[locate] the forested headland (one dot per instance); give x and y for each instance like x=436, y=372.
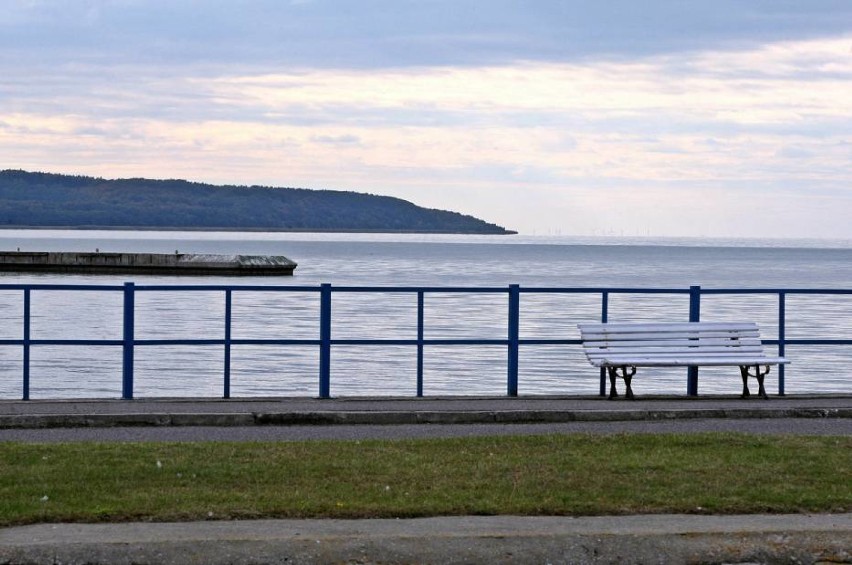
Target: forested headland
x=31, y=199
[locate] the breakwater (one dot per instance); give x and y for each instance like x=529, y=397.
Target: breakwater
x=146, y=263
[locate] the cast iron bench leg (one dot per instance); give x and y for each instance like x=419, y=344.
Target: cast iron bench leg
x=760, y=376
x=744, y=374
x=626, y=374
x=613, y=374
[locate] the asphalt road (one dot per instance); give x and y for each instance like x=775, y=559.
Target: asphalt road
x=806, y=426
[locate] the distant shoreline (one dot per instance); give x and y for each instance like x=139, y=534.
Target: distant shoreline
x=232, y=229
x=33, y=200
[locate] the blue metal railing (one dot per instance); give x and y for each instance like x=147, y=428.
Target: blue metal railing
x=325, y=342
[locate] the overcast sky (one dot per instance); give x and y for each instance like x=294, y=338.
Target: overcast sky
x=641, y=117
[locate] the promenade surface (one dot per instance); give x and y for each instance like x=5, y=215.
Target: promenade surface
x=476, y=539
x=432, y=410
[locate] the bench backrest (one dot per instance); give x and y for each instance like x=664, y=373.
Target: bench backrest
x=688, y=339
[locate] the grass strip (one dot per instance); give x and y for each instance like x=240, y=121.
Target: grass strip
x=574, y=474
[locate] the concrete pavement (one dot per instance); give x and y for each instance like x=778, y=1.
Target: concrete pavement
x=472, y=539
x=450, y=410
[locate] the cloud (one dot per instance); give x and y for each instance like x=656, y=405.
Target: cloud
x=345, y=139
x=399, y=33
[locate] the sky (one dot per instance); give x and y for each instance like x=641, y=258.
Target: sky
x=701, y=118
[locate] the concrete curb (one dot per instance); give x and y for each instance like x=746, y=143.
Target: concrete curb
x=350, y=417
x=475, y=539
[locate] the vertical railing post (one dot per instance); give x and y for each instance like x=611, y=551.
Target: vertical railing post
x=604, y=319
x=325, y=341
x=226, y=393
x=514, y=336
x=782, y=337
x=26, y=385
x=127, y=358
x=420, y=317
x=694, y=316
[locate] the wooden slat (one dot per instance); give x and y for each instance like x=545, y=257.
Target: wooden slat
x=618, y=346
x=696, y=351
x=667, y=335
x=667, y=327
x=673, y=342
x=687, y=361
x=678, y=329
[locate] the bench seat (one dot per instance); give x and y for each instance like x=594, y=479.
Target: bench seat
x=621, y=347
x=687, y=361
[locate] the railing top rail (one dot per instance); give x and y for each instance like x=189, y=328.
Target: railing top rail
x=221, y=288
x=412, y=289
x=429, y=289
x=599, y=290
x=776, y=291
x=40, y=286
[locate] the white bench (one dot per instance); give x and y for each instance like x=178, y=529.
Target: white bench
x=621, y=347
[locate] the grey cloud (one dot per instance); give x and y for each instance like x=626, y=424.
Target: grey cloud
x=796, y=152
x=398, y=33
x=337, y=139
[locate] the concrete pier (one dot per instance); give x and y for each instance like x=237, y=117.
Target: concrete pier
x=145, y=263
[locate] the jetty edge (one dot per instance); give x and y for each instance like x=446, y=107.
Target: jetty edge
x=145, y=263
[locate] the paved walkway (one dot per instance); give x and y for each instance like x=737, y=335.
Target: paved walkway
x=476, y=539
x=508, y=539
x=451, y=410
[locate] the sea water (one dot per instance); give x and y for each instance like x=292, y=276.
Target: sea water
x=415, y=260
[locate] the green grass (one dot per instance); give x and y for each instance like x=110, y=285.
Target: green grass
x=540, y=475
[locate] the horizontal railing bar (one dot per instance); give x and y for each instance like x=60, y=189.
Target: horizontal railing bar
x=232, y=341
x=260, y=341
x=377, y=289
x=417, y=342
x=427, y=289
x=809, y=341
x=317, y=342
x=115, y=343
x=588, y=290
x=379, y=342
x=431, y=341
x=537, y=341
x=222, y=288
x=179, y=342
x=776, y=291
x=313, y=342
x=97, y=342
x=430, y=289
x=83, y=287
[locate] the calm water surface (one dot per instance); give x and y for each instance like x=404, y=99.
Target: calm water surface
x=415, y=260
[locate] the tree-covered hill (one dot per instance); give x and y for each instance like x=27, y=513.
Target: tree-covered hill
x=51, y=200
